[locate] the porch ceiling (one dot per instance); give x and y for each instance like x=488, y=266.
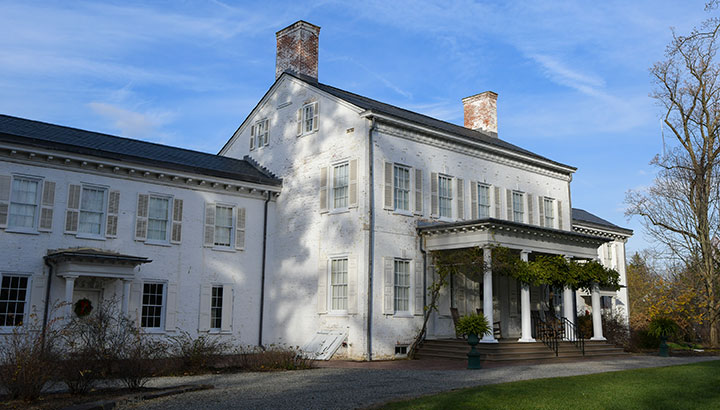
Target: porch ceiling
x=490, y=231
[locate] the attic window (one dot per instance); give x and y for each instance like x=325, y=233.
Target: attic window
x=260, y=134
x=307, y=118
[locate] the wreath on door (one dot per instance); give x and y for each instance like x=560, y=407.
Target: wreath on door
x=83, y=307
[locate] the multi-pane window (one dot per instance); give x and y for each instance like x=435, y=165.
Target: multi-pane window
x=216, y=308
x=549, y=211
x=445, y=196
x=223, y=225
x=339, y=284
x=517, y=207
x=402, y=285
x=24, y=203
x=158, y=218
x=261, y=131
x=340, y=185
x=309, y=117
x=152, y=305
x=483, y=201
x=13, y=300
x=402, y=187
x=92, y=210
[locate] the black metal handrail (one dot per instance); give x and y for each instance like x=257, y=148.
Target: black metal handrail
x=573, y=334
x=554, y=330
x=544, y=331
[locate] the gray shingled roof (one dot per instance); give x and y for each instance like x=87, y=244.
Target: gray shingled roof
x=50, y=136
x=380, y=107
x=585, y=217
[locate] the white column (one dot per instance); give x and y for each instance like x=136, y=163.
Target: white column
x=568, y=311
x=125, y=296
x=596, y=318
x=69, y=288
x=525, y=307
x=488, y=295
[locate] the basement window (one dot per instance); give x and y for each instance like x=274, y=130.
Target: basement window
x=401, y=350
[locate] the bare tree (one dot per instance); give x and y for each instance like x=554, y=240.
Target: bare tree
x=680, y=209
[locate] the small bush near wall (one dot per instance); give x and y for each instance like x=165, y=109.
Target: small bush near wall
x=274, y=357
x=199, y=352
x=615, y=329
x=29, y=357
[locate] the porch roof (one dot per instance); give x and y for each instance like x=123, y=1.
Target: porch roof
x=94, y=255
x=490, y=231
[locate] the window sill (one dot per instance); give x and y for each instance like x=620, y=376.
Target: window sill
x=25, y=231
x=337, y=314
x=305, y=134
x=153, y=243
x=338, y=211
x=403, y=213
x=219, y=332
x=153, y=331
x=223, y=249
x=91, y=237
x=404, y=315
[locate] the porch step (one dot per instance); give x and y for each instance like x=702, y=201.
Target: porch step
x=512, y=350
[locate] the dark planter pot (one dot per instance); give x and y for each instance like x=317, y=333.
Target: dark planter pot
x=663, y=347
x=473, y=355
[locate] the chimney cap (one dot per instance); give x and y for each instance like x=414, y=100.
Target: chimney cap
x=298, y=24
x=484, y=94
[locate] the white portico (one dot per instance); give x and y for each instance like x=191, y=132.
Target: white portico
x=512, y=304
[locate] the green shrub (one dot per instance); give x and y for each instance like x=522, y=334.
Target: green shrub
x=473, y=325
x=661, y=326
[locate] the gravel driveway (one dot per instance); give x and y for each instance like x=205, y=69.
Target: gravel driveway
x=350, y=388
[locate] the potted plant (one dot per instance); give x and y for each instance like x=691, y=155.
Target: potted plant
x=473, y=326
x=663, y=327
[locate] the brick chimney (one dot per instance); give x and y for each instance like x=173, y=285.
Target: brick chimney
x=481, y=112
x=297, y=49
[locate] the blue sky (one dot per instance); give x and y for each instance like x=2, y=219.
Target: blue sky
x=572, y=77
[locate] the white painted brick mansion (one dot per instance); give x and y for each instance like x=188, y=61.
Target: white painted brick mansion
x=316, y=217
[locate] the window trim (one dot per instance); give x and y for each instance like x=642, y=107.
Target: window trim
x=222, y=297
x=409, y=189
x=28, y=290
x=333, y=167
x=489, y=200
x=168, y=226
x=233, y=216
x=451, y=198
x=38, y=204
x=330, y=310
x=522, y=207
x=103, y=217
x=303, y=118
x=551, y=215
x=398, y=312
x=163, y=311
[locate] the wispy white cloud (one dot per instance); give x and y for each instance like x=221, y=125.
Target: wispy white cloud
x=143, y=125
x=560, y=73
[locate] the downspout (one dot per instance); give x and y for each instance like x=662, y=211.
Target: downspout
x=262, y=274
x=371, y=241
x=47, y=299
x=425, y=286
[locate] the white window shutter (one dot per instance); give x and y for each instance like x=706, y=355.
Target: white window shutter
x=111, y=227
x=322, y=286
x=240, y=229
x=46, y=207
x=141, y=217
x=252, y=137
x=134, y=308
x=541, y=211
x=299, y=121
x=316, y=115
x=176, y=233
x=227, y=308
x=5, y=186
x=209, y=232
x=323, y=189
x=498, y=206
x=419, y=287
x=171, y=307
x=418, y=192
x=72, y=214
x=388, y=285
x=560, y=214
x=473, y=200
x=205, y=305
x=460, y=198
x=531, y=214
x=434, y=194
x=37, y=296
x=352, y=285
x=353, y=194
x=388, y=202
x=509, y=204
x=267, y=132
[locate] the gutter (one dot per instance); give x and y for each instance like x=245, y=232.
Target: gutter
x=423, y=251
x=262, y=274
x=371, y=242
x=47, y=300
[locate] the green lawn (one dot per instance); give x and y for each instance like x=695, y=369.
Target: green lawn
x=693, y=386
